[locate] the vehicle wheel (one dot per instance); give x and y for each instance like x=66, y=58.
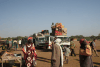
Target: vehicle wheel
x=46, y=47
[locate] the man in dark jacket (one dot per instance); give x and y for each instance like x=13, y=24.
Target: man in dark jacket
x=7, y=43
x=93, y=46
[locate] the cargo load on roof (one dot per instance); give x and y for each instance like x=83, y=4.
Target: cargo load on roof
x=58, y=29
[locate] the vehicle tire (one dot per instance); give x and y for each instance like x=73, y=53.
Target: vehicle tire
x=46, y=47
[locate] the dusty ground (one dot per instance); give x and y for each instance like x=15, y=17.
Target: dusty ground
x=44, y=57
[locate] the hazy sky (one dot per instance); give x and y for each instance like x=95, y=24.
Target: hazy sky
x=25, y=17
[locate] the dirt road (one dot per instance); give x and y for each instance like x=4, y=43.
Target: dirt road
x=44, y=57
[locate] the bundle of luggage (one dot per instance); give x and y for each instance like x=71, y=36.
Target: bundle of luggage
x=58, y=29
x=45, y=32
x=39, y=34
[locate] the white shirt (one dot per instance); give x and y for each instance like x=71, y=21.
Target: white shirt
x=19, y=41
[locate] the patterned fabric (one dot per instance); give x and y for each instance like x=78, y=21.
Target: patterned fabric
x=29, y=55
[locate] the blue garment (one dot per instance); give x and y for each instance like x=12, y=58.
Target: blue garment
x=67, y=51
x=10, y=42
x=16, y=45
x=7, y=42
x=93, y=43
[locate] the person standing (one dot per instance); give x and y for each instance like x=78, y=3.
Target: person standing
x=3, y=47
x=19, y=43
x=93, y=46
x=67, y=52
x=72, y=47
x=23, y=42
x=85, y=60
x=15, y=44
x=57, y=54
x=10, y=43
x=7, y=43
x=30, y=55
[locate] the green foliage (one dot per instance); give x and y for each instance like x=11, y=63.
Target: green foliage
x=89, y=38
x=3, y=38
x=77, y=36
x=19, y=37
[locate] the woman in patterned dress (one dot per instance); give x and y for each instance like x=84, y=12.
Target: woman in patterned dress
x=29, y=53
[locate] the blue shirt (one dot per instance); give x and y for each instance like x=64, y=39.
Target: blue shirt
x=93, y=43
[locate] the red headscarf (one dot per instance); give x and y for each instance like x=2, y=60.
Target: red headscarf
x=83, y=40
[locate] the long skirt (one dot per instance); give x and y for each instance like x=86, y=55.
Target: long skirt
x=85, y=61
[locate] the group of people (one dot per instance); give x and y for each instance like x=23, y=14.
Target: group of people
x=28, y=49
x=13, y=43
x=57, y=59
x=8, y=44
x=85, y=58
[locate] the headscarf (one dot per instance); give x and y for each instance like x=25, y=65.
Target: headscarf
x=83, y=43
x=57, y=41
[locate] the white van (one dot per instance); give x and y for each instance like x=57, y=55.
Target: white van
x=40, y=41
x=65, y=41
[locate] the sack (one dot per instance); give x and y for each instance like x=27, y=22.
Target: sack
x=86, y=52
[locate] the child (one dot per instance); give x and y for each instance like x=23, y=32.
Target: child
x=3, y=47
x=67, y=51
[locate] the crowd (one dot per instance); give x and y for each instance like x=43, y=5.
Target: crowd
x=28, y=50
x=85, y=52
x=57, y=58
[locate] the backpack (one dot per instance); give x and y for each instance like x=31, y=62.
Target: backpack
x=91, y=44
x=85, y=52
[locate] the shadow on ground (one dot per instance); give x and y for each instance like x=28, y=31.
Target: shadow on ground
x=96, y=63
x=77, y=59
x=44, y=59
x=44, y=50
x=98, y=50
x=10, y=65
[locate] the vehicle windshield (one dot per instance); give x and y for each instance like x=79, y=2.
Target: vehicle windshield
x=41, y=39
x=64, y=39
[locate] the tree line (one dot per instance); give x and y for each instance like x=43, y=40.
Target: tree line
x=89, y=38
x=78, y=37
